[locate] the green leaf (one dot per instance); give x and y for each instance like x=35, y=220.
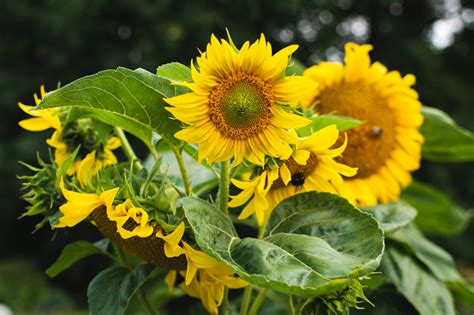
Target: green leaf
x=174, y=72
x=445, y=141
x=131, y=100
x=73, y=253
x=308, y=258
x=440, y=262
x=111, y=290
x=342, y=122
x=392, y=216
x=437, y=214
x=426, y=293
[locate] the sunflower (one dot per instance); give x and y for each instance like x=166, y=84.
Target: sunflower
x=311, y=168
x=235, y=107
x=386, y=148
x=84, y=166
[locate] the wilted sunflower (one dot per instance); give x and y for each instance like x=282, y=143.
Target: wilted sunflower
x=386, y=148
x=234, y=107
x=311, y=168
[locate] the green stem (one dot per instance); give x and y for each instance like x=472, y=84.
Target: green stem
x=246, y=300
x=258, y=302
x=224, y=187
x=182, y=169
x=123, y=261
x=261, y=232
x=127, y=148
x=224, y=308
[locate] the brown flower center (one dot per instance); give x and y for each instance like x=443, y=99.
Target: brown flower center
x=239, y=106
x=369, y=145
x=298, y=172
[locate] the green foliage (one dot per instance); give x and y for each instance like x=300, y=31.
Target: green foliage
x=313, y=246
x=342, y=122
x=111, y=290
x=438, y=261
x=392, y=216
x=131, y=100
x=426, y=293
x=174, y=72
x=437, y=213
x=445, y=141
x=75, y=252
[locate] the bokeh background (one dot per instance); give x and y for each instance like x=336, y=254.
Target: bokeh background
x=51, y=41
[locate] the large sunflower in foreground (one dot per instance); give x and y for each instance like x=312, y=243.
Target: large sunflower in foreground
x=311, y=168
x=234, y=109
x=386, y=148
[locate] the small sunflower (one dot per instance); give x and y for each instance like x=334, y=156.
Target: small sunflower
x=234, y=109
x=93, y=156
x=311, y=168
x=386, y=148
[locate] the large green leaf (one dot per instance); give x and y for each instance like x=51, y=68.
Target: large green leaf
x=308, y=258
x=111, y=290
x=174, y=72
x=426, y=293
x=73, y=253
x=440, y=262
x=445, y=141
x=131, y=100
x=437, y=213
x=393, y=215
x=342, y=122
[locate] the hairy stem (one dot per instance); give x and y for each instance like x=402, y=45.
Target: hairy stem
x=246, y=300
x=182, y=169
x=224, y=187
x=258, y=302
x=127, y=148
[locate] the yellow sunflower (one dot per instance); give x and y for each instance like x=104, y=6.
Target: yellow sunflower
x=42, y=119
x=311, y=168
x=234, y=109
x=386, y=148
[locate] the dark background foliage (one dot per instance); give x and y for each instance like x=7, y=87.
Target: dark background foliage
x=51, y=41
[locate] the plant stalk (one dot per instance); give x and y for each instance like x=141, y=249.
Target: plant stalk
x=244, y=307
x=182, y=169
x=224, y=187
x=127, y=148
x=258, y=302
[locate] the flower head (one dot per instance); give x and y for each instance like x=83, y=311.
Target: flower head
x=312, y=167
x=234, y=109
x=386, y=148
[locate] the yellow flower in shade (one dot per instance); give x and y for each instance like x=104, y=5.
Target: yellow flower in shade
x=126, y=211
x=386, y=148
x=80, y=205
x=172, y=240
x=234, y=107
x=311, y=168
x=88, y=166
x=205, y=278
x=209, y=286
x=42, y=119
x=257, y=188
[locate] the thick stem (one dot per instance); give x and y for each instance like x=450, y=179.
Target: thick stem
x=258, y=302
x=127, y=148
x=224, y=187
x=182, y=169
x=246, y=300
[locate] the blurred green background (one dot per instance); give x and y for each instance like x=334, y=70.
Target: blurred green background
x=51, y=41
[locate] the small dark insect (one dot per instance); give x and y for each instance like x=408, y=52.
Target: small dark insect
x=376, y=131
x=297, y=179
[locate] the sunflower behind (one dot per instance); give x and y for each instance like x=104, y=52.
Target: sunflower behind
x=387, y=147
